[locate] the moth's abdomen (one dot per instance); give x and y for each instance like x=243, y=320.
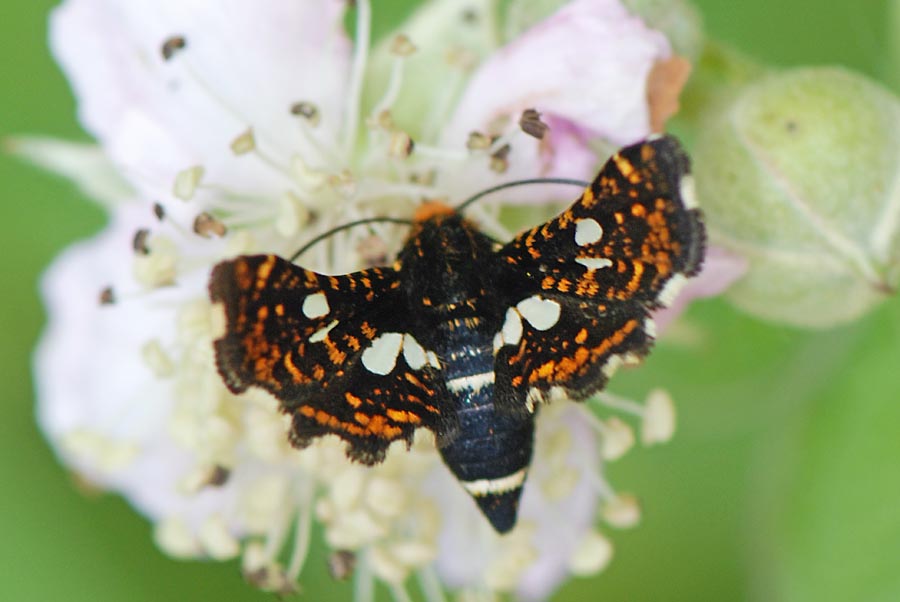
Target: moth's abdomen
x=491, y=453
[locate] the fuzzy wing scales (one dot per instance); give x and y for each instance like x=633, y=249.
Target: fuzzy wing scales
x=334, y=350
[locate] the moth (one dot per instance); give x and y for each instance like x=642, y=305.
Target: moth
x=463, y=335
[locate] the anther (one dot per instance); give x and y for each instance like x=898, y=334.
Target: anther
x=478, y=141
x=207, y=226
x=159, y=211
x=139, y=242
x=531, y=124
x=244, y=143
x=107, y=296
x=172, y=45
x=306, y=110
x=461, y=58
x=343, y=183
x=401, y=145
x=341, y=564
x=186, y=182
x=402, y=46
x=219, y=476
x=500, y=159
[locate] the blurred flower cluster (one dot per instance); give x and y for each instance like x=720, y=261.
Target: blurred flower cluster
x=237, y=127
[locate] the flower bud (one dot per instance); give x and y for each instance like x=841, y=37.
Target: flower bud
x=799, y=174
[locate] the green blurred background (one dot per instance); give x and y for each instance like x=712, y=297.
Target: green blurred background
x=782, y=483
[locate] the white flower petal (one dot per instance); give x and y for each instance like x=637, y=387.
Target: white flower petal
x=244, y=64
x=92, y=383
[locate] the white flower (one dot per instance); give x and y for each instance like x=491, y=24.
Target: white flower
x=250, y=127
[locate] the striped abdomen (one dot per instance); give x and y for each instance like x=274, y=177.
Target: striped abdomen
x=491, y=454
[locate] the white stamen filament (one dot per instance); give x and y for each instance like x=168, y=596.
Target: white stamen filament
x=425, y=151
x=302, y=534
x=399, y=593
x=431, y=585
x=395, y=83
x=364, y=582
x=357, y=75
x=620, y=403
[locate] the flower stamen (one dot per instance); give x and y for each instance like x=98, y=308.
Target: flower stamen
x=357, y=75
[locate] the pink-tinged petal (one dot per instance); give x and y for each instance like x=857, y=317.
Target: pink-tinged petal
x=720, y=270
x=588, y=64
x=546, y=68
x=104, y=410
x=244, y=64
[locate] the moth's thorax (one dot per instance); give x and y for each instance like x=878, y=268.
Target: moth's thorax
x=446, y=260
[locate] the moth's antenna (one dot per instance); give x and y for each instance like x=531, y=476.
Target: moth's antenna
x=514, y=183
x=348, y=225
x=460, y=207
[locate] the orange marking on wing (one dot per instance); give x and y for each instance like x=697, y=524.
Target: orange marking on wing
x=352, y=342
x=378, y=425
x=553, y=371
x=582, y=336
x=263, y=271
x=318, y=373
x=367, y=331
x=588, y=199
x=352, y=399
x=294, y=371
x=635, y=281
x=242, y=275
x=334, y=354
x=400, y=415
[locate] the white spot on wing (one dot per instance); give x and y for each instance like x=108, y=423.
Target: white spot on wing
x=688, y=191
x=511, y=333
x=592, y=263
x=432, y=358
x=494, y=486
x=534, y=396
x=319, y=335
x=381, y=356
x=671, y=289
x=650, y=327
x=612, y=365
x=540, y=313
x=587, y=232
x=315, y=306
x=413, y=353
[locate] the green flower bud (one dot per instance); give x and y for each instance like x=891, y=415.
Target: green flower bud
x=800, y=174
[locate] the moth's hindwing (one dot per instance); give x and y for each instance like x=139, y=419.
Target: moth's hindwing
x=589, y=277
x=336, y=352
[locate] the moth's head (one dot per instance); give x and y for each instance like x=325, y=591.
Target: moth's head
x=432, y=210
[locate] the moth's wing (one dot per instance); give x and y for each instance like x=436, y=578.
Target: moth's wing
x=336, y=352
x=622, y=249
x=557, y=346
